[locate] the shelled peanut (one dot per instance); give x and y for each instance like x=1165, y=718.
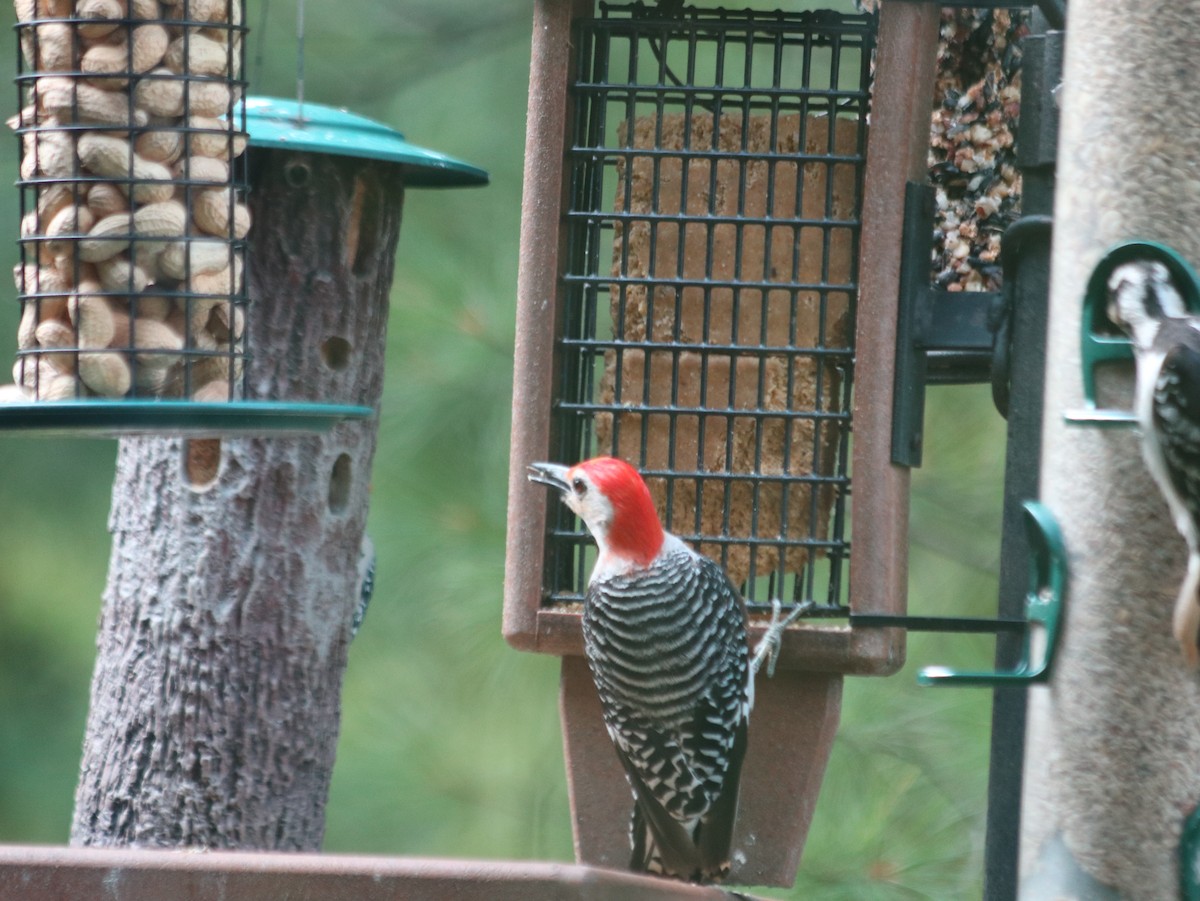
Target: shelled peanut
x=131, y=259
x=93, y=341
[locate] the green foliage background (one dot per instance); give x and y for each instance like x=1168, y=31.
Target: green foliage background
x=450, y=743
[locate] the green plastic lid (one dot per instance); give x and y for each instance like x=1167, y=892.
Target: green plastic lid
x=106, y=418
x=273, y=122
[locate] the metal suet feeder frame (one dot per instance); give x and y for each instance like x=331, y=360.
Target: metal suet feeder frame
x=678, y=380
x=117, y=176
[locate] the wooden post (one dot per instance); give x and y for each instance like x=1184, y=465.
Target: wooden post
x=216, y=695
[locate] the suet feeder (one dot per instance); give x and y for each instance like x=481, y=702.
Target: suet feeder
x=709, y=264
x=135, y=246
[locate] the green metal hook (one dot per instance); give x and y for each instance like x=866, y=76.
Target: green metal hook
x=1043, y=607
x=1189, y=858
x=1100, y=343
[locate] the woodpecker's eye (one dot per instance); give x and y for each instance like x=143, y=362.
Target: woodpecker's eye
x=579, y=486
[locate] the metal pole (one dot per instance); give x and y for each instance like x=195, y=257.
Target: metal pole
x=1025, y=343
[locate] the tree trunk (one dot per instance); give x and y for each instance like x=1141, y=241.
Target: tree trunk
x=216, y=695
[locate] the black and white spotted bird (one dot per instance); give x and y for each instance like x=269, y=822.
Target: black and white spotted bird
x=1144, y=301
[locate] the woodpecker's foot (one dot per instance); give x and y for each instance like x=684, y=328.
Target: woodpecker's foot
x=767, y=649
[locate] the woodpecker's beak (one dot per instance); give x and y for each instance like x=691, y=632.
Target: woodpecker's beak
x=552, y=474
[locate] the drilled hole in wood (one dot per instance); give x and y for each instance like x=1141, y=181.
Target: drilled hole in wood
x=354, y=222
x=339, y=484
x=367, y=218
x=201, y=462
x=335, y=352
x=297, y=174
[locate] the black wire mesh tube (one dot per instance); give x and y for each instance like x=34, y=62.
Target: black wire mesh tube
x=712, y=232
x=133, y=223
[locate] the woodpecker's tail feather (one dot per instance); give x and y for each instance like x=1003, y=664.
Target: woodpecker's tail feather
x=699, y=850
x=1186, y=623
x=661, y=844
x=672, y=853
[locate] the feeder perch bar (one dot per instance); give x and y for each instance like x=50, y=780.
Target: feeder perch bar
x=1043, y=608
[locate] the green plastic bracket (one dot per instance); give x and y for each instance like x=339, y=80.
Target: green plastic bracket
x=1043, y=608
x=1189, y=858
x=1100, y=343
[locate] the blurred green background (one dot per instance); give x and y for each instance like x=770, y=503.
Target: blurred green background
x=450, y=743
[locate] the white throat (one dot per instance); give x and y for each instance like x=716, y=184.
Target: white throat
x=610, y=565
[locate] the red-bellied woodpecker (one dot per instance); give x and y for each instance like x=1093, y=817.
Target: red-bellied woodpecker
x=665, y=637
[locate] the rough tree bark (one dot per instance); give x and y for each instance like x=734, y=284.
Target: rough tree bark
x=215, y=698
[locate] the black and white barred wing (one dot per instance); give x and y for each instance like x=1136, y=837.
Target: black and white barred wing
x=1177, y=422
x=668, y=651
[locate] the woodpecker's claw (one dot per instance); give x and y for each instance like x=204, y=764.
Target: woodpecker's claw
x=767, y=649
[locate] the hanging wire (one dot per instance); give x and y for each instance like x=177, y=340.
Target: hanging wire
x=260, y=49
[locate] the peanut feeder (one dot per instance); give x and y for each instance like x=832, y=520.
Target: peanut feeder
x=133, y=225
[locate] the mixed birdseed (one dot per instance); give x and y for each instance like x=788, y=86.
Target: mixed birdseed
x=972, y=155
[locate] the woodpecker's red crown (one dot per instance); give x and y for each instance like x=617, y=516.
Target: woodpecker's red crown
x=634, y=531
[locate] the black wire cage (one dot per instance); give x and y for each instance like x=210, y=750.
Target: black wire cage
x=132, y=283
x=716, y=174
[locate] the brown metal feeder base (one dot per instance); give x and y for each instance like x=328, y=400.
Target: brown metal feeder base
x=791, y=732
x=58, y=874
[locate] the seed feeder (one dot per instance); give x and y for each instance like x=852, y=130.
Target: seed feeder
x=268, y=531
x=272, y=529
x=134, y=274
x=707, y=289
